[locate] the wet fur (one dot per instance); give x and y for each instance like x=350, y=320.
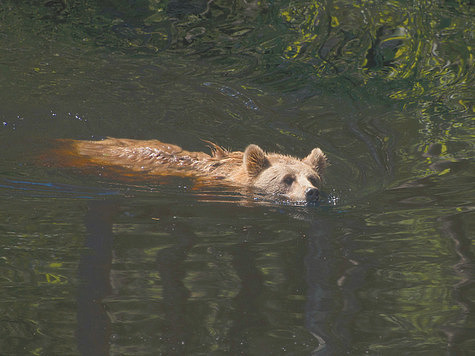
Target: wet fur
x=269, y=172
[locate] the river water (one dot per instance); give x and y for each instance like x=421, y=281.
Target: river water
x=92, y=264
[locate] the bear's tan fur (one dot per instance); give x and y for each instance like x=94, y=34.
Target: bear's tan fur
x=290, y=177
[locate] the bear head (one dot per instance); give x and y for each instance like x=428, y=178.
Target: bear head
x=290, y=177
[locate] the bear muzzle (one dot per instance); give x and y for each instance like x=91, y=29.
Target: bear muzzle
x=311, y=195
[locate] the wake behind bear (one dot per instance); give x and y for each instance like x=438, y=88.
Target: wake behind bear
x=294, y=179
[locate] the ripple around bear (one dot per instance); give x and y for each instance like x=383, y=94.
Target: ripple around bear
x=271, y=173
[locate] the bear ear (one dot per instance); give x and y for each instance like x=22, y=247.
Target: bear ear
x=255, y=160
x=317, y=160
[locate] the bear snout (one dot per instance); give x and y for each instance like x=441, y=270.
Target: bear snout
x=311, y=195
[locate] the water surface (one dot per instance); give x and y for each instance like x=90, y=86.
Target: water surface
x=97, y=265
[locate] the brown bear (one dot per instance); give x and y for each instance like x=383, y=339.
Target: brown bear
x=271, y=173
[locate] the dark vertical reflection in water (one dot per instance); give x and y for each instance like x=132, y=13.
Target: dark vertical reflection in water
x=247, y=303
x=320, y=264
x=332, y=281
x=178, y=329
x=94, y=331
x=453, y=227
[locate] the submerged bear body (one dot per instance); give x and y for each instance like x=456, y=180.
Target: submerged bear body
x=271, y=173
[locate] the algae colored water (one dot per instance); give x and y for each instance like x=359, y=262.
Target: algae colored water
x=91, y=264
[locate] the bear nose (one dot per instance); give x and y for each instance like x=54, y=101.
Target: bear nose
x=311, y=194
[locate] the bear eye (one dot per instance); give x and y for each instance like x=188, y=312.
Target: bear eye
x=288, y=179
x=313, y=180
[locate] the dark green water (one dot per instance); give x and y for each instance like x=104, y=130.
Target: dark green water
x=96, y=266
